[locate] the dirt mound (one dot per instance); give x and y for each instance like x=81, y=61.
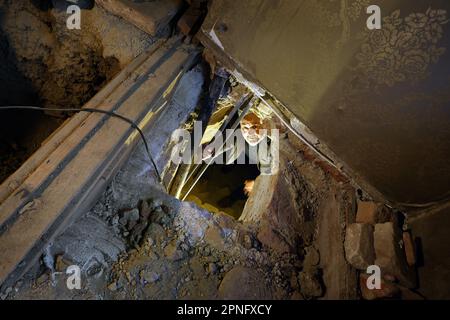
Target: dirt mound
x=43, y=63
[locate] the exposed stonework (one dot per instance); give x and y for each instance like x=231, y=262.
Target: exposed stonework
x=410, y=248
x=359, y=246
x=372, y=212
x=367, y=212
x=390, y=256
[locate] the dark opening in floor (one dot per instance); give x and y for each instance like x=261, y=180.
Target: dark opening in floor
x=221, y=188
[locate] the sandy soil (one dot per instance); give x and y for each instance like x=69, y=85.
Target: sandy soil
x=42, y=63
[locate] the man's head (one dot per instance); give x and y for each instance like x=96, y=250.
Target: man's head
x=253, y=128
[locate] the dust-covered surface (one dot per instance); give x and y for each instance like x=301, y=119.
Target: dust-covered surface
x=161, y=248
x=138, y=242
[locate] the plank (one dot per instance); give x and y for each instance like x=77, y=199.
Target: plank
x=150, y=17
x=24, y=196
x=89, y=170
x=13, y=182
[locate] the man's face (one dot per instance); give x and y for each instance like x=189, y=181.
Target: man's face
x=252, y=129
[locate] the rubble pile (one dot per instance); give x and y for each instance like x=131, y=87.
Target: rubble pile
x=380, y=237
x=190, y=253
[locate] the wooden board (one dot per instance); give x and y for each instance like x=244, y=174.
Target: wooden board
x=13, y=182
x=150, y=17
x=71, y=177
x=24, y=195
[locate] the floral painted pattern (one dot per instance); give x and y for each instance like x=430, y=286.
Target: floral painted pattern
x=403, y=49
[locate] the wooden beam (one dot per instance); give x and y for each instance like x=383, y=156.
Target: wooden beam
x=71, y=177
x=24, y=194
x=13, y=182
x=150, y=17
x=189, y=20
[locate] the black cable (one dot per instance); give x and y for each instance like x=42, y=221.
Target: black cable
x=92, y=110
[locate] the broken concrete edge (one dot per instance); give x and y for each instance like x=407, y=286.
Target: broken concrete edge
x=84, y=201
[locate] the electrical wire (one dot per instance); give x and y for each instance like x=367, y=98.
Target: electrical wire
x=279, y=115
x=93, y=110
